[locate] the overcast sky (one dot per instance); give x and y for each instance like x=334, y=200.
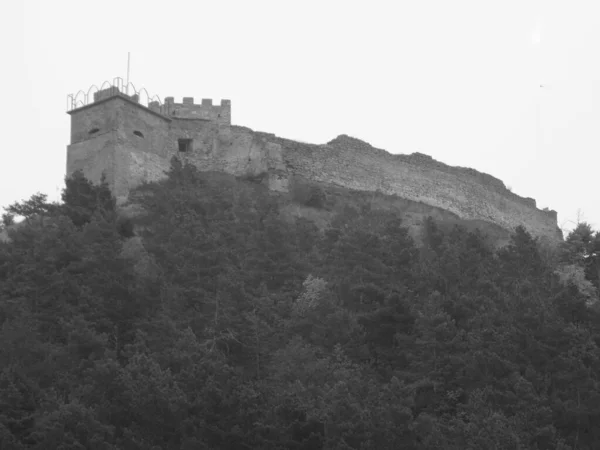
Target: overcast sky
x=458, y=80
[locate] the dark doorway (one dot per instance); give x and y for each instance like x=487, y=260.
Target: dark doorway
x=185, y=145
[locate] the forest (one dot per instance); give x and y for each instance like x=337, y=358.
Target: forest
x=211, y=321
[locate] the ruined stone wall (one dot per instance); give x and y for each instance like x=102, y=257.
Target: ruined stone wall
x=135, y=144
x=485, y=179
x=467, y=193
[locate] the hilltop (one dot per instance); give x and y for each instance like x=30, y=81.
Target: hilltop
x=131, y=143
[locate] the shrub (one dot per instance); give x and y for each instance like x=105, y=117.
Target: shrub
x=311, y=196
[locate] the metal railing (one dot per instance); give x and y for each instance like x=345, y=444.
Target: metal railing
x=83, y=98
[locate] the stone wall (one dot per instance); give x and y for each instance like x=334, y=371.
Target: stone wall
x=132, y=144
x=205, y=110
x=123, y=127
x=90, y=122
x=135, y=144
x=465, y=192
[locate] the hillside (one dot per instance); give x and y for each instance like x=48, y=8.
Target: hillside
x=214, y=313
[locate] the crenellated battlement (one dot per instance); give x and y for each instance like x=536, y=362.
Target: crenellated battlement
x=190, y=110
x=187, y=109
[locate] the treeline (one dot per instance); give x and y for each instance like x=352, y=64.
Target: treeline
x=235, y=327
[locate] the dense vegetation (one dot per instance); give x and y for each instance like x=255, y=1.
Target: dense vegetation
x=233, y=327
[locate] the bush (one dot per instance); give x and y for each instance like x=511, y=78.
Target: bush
x=8, y=219
x=311, y=196
x=125, y=227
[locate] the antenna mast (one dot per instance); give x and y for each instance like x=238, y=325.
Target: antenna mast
x=127, y=88
x=539, y=140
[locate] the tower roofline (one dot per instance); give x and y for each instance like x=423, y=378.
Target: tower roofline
x=121, y=96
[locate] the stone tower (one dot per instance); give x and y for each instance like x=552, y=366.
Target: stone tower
x=130, y=143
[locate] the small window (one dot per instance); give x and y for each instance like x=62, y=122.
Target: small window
x=185, y=145
x=138, y=133
x=93, y=130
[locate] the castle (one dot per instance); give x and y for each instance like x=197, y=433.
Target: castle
x=130, y=143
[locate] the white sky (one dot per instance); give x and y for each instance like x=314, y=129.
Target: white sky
x=458, y=80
